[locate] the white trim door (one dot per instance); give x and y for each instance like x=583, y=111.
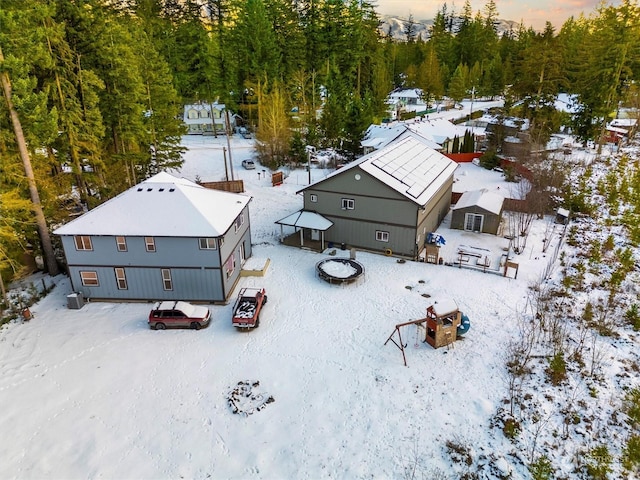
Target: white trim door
x=473, y=222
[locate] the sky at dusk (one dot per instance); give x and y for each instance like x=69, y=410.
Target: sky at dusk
x=533, y=13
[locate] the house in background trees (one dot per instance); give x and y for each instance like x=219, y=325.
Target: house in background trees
x=166, y=238
x=200, y=118
x=439, y=132
x=378, y=136
x=387, y=201
x=402, y=100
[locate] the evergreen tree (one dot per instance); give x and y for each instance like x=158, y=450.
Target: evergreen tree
x=430, y=77
x=32, y=124
x=457, y=90
x=539, y=78
x=410, y=29
x=609, y=54
x=441, y=39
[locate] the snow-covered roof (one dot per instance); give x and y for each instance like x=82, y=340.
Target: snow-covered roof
x=406, y=93
x=162, y=206
x=377, y=136
x=445, y=306
x=190, y=310
x=622, y=131
x=623, y=122
x=306, y=219
x=438, y=130
x=409, y=165
x=489, y=201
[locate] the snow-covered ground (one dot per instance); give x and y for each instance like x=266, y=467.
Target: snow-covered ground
x=94, y=393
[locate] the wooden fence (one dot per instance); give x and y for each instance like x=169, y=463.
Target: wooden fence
x=234, y=186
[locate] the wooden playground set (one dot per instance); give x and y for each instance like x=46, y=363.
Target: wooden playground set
x=443, y=324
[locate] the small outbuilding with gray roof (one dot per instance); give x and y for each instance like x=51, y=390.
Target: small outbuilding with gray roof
x=387, y=201
x=166, y=238
x=478, y=211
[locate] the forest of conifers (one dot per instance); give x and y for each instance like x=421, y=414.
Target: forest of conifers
x=98, y=86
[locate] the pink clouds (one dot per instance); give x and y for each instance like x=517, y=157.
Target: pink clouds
x=530, y=13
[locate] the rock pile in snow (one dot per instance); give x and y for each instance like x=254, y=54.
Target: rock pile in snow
x=246, y=398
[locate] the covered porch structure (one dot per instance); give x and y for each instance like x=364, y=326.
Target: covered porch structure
x=311, y=226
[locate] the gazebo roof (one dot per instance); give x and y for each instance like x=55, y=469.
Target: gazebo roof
x=306, y=219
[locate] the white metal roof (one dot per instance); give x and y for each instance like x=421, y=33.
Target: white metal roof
x=489, y=201
x=305, y=219
x=378, y=136
x=162, y=206
x=411, y=167
x=408, y=165
x=438, y=129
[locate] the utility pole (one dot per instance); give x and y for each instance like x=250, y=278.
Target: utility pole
x=226, y=171
x=228, y=130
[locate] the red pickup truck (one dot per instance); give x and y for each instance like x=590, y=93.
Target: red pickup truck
x=246, y=311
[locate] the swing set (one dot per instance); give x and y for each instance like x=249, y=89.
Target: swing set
x=443, y=324
x=399, y=343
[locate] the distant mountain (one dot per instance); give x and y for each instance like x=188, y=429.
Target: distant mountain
x=398, y=26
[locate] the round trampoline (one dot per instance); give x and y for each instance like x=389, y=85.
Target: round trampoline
x=339, y=270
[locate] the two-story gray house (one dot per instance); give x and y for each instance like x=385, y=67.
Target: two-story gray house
x=387, y=201
x=164, y=239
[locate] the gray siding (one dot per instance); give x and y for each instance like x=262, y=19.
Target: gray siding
x=197, y=275
x=361, y=234
x=374, y=201
x=181, y=251
x=145, y=283
x=490, y=223
x=431, y=217
x=377, y=207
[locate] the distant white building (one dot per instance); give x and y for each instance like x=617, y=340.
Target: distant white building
x=439, y=132
x=405, y=100
x=201, y=117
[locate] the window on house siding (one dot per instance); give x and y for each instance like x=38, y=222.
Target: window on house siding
x=121, y=243
x=239, y=221
x=89, y=279
x=207, y=243
x=150, y=244
x=382, y=236
x=192, y=114
x=313, y=198
x=83, y=242
x=348, y=204
x=167, y=284
x=230, y=266
x=121, y=278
